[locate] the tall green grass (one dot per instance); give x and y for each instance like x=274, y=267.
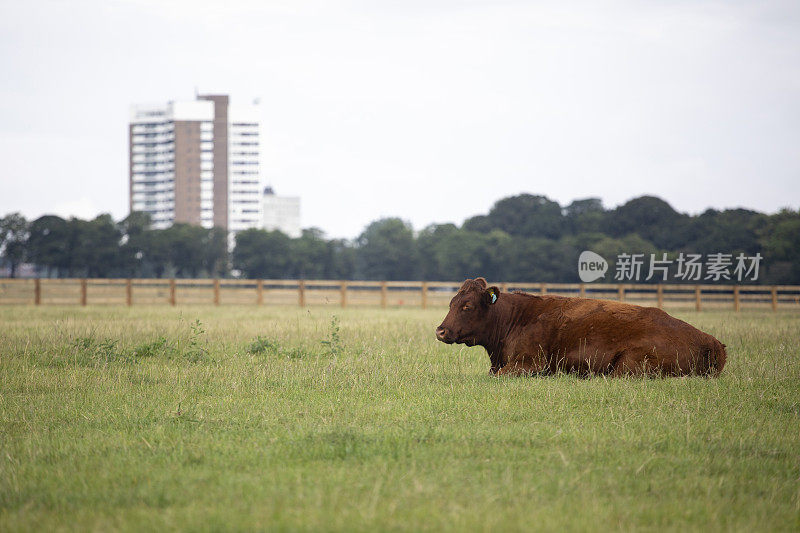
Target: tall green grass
x=224, y=418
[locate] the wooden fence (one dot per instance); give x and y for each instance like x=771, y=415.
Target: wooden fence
x=372, y=293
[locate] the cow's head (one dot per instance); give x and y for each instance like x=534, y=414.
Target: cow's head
x=466, y=321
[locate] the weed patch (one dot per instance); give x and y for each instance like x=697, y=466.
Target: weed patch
x=158, y=347
x=334, y=340
x=265, y=346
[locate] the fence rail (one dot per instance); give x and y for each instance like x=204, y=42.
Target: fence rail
x=373, y=293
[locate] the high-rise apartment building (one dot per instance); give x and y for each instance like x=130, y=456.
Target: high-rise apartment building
x=196, y=162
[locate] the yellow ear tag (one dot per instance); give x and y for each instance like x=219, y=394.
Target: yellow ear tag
x=494, y=296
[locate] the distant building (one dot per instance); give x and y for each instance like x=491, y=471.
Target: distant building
x=196, y=162
x=281, y=213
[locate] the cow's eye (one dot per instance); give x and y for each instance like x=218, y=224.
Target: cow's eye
x=466, y=307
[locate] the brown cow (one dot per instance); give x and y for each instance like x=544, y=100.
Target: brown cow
x=527, y=334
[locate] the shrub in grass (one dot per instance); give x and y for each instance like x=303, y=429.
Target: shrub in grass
x=160, y=346
x=334, y=341
x=263, y=345
x=293, y=353
x=266, y=346
x=195, y=350
x=86, y=351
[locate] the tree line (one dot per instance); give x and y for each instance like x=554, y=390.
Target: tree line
x=526, y=238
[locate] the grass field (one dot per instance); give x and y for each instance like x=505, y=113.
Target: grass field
x=245, y=418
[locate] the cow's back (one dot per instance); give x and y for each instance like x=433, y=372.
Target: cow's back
x=595, y=335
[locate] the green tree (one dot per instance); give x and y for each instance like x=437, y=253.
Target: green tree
x=387, y=251
x=263, y=254
x=13, y=240
x=155, y=249
x=188, y=249
x=584, y=216
x=50, y=245
x=95, y=246
x=309, y=255
x=528, y=215
x=341, y=260
x=522, y=238
x=447, y=252
x=532, y=259
x=651, y=218
x=781, y=248
x=478, y=223
x=729, y=231
x=610, y=248
x=134, y=243
x=433, y=245
x=215, y=258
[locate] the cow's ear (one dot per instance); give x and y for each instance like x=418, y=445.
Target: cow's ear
x=491, y=294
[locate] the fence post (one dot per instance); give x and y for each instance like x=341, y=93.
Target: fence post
x=424, y=296
x=736, y=298
x=774, y=298
x=172, y=298
x=37, y=291
x=698, y=306
x=216, y=291
x=260, y=292
x=301, y=293
x=129, y=292
x=543, y=288
x=343, y=293
x=582, y=292
x=621, y=292
x=84, y=298
x=384, y=294
x=660, y=296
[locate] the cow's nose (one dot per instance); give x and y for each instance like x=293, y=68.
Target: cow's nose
x=440, y=332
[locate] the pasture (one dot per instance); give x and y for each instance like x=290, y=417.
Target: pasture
x=241, y=418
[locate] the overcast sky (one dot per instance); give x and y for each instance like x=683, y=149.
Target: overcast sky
x=428, y=110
